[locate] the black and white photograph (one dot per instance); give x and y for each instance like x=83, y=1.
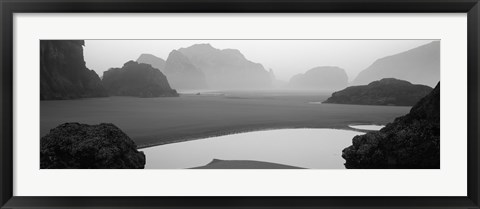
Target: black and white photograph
x=240, y=104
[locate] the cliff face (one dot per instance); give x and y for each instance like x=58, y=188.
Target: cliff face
x=227, y=68
x=388, y=91
x=154, y=61
x=63, y=74
x=411, y=141
x=420, y=65
x=320, y=78
x=81, y=146
x=137, y=79
x=182, y=74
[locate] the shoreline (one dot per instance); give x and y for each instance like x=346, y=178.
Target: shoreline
x=154, y=122
x=243, y=164
x=241, y=131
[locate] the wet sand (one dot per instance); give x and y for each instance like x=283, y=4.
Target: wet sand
x=243, y=164
x=156, y=121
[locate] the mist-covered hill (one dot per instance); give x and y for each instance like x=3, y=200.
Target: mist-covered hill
x=320, y=78
x=420, y=65
x=182, y=74
x=227, y=68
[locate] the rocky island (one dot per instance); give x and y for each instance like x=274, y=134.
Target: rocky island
x=388, y=91
x=138, y=80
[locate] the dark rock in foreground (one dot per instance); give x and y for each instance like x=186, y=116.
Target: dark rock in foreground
x=388, y=91
x=411, y=141
x=243, y=164
x=138, y=80
x=76, y=146
x=63, y=74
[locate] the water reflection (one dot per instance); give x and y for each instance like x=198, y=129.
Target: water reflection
x=305, y=148
x=367, y=127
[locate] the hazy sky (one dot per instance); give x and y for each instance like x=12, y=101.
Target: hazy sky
x=285, y=57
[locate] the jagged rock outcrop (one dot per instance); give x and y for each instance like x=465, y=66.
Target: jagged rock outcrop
x=420, y=65
x=152, y=60
x=82, y=146
x=63, y=74
x=320, y=78
x=182, y=74
x=388, y=91
x=138, y=80
x=227, y=68
x=411, y=141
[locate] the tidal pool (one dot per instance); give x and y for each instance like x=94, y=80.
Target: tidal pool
x=304, y=148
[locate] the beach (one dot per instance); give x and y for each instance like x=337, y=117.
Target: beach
x=163, y=120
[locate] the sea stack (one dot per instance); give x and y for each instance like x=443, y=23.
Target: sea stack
x=63, y=74
x=138, y=80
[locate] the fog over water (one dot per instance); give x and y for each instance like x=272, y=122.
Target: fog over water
x=286, y=57
x=240, y=104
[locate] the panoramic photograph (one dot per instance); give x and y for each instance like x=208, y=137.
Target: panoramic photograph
x=240, y=104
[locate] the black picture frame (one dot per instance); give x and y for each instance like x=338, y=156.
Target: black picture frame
x=9, y=7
